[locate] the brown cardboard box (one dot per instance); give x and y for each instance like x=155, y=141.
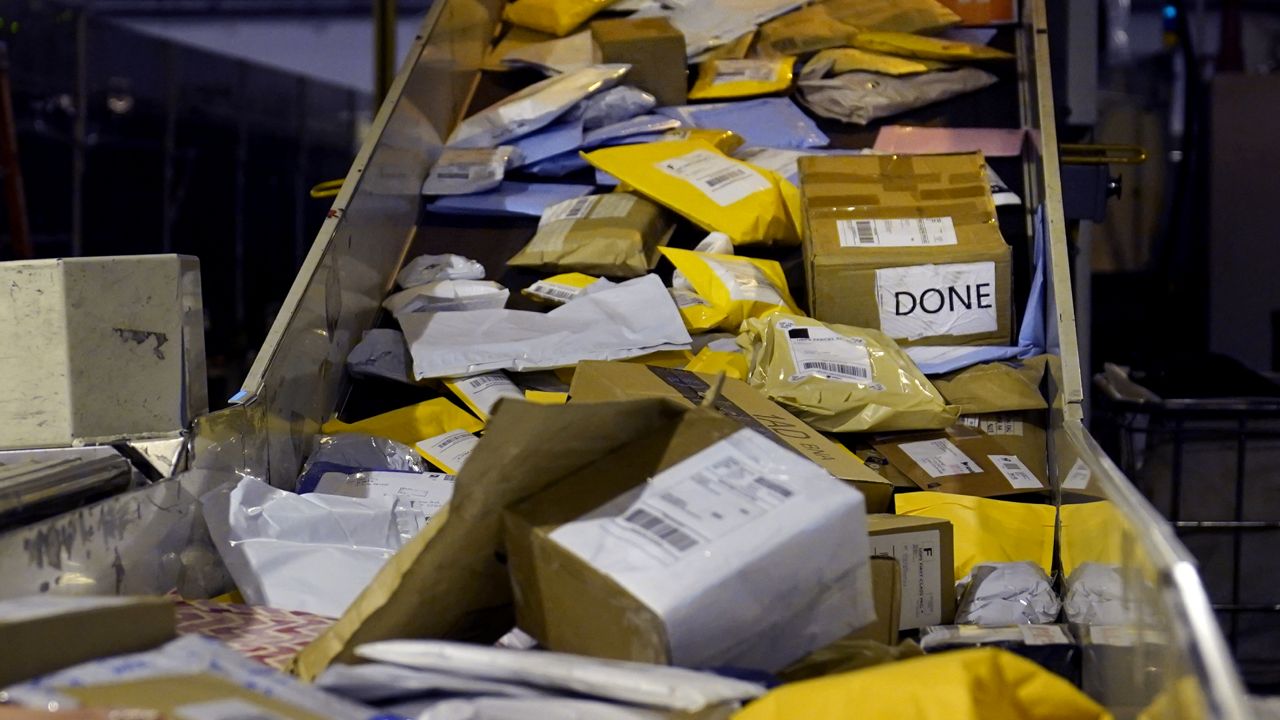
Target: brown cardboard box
x=605, y=381
x=1022, y=433
x=42, y=634
x=960, y=460
x=1005, y=401
x=906, y=244
x=925, y=550
x=886, y=588
x=654, y=49
x=585, y=552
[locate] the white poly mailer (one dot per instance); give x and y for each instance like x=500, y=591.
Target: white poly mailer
x=752, y=555
x=633, y=318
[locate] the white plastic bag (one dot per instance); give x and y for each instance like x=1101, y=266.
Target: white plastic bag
x=426, y=269
x=448, y=296
x=1007, y=593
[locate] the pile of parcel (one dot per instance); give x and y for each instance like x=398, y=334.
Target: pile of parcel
x=626, y=469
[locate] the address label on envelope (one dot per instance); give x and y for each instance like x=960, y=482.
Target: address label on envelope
x=928, y=300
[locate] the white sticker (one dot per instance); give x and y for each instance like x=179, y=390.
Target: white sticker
x=228, y=709
x=940, y=458
x=920, y=556
x=722, y=179
x=907, y=232
x=751, y=70
x=469, y=170
x=1044, y=635
x=481, y=392
x=573, y=209
x=1000, y=192
x=927, y=300
x=448, y=451
x=995, y=424
x=743, y=280
x=783, y=162
x=1018, y=475
x=554, y=292
x=1078, y=477
x=422, y=494
x=684, y=299
x=822, y=352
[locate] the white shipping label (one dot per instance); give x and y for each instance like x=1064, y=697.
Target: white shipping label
x=722, y=179
x=907, y=232
x=684, y=299
x=422, y=493
x=1017, y=473
x=940, y=458
x=228, y=709
x=744, y=280
x=481, y=392
x=448, y=451
x=920, y=556
x=573, y=209
x=822, y=352
x=921, y=301
x=1044, y=635
x=995, y=424
x=1078, y=477
x=554, y=292
x=751, y=70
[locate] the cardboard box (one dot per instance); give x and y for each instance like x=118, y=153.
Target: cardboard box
x=704, y=544
x=886, y=589
x=906, y=244
x=925, y=550
x=44, y=633
x=1022, y=433
x=654, y=49
x=606, y=381
x=961, y=460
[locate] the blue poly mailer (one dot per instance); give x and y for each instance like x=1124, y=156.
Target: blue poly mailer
x=549, y=142
x=769, y=122
x=510, y=198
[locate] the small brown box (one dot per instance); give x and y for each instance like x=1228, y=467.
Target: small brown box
x=654, y=49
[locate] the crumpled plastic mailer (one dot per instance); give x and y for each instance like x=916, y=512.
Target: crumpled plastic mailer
x=430, y=268
x=699, y=182
x=557, y=17
x=534, y=107
x=447, y=296
x=1096, y=595
x=541, y=708
x=980, y=684
x=638, y=125
x=802, y=32
x=380, y=683
x=840, y=378
x=462, y=171
x=860, y=97
x=418, y=495
x=615, y=105
x=706, y=24
x=1007, y=593
x=734, y=289
x=903, y=16
x=926, y=48
x=381, y=353
x=836, y=61
x=616, y=234
x=719, y=79
x=996, y=387
x=630, y=319
x=408, y=425
x=313, y=552
x=656, y=686
x=367, y=452
x=510, y=198
x=186, y=655
x=561, y=55
x=988, y=530
x=769, y=122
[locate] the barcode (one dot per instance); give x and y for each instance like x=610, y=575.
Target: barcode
x=554, y=291
x=579, y=208
x=837, y=368
x=727, y=176
x=1011, y=465
x=661, y=529
x=772, y=486
x=866, y=233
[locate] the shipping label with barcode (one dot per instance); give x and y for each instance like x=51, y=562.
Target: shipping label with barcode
x=744, y=280
x=555, y=292
x=940, y=458
x=819, y=351
x=481, y=392
x=1078, y=477
x=906, y=232
x=919, y=554
x=705, y=502
x=995, y=424
x=722, y=179
x=573, y=209
x=1017, y=473
x=448, y=451
x=750, y=70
